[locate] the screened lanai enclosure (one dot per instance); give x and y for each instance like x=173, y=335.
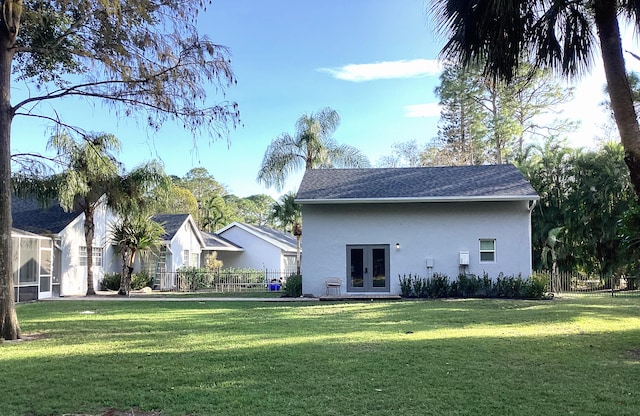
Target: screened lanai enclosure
x=33, y=267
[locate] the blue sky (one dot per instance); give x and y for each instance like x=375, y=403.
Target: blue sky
x=371, y=60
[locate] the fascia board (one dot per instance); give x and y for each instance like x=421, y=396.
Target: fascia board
x=412, y=200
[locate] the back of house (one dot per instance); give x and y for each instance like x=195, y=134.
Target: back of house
x=369, y=227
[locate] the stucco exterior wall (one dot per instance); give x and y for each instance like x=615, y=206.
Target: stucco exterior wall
x=74, y=276
x=185, y=239
x=258, y=254
x=438, y=231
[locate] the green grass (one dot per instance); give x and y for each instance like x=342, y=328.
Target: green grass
x=471, y=357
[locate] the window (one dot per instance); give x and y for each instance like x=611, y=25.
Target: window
x=185, y=258
x=97, y=256
x=83, y=255
x=195, y=260
x=487, y=250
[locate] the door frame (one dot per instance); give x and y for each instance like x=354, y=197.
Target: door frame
x=368, y=268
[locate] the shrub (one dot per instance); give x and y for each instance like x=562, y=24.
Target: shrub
x=140, y=280
x=192, y=278
x=469, y=285
x=406, y=286
x=293, y=287
x=538, y=286
x=111, y=281
x=438, y=286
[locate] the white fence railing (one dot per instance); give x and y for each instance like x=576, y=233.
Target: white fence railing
x=222, y=281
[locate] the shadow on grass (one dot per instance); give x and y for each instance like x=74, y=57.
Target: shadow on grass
x=415, y=358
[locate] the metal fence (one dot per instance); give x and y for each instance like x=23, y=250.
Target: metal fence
x=584, y=284
x=222, y=281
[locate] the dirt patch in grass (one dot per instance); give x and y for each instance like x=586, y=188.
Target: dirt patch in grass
x=634, y=354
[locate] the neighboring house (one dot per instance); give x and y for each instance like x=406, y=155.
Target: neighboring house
x=264, y=248
x=181, y=246
x=223, y=247
x=368, y=227
x=68, y=246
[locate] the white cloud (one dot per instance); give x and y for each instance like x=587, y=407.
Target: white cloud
x=422, y=110
x=385, y=70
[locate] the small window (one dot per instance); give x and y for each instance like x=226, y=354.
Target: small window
x=487, y=251
x=83, y=255
x=97, y=256
x=185, y=258
x=195, y=260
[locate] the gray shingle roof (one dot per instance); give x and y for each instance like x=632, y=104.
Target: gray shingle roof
x=281, y=239
x=451, y=183
x=29, y=215
x=215, y=242
x=171, y=224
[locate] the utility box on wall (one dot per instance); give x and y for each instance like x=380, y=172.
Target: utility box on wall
x=464, y=258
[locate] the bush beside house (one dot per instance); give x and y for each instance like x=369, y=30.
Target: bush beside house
x=472, y=286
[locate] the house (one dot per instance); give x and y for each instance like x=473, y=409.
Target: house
x=68, y=248
x=181, y=246
x=264, y=248
x=368, y=227
x=220, y=245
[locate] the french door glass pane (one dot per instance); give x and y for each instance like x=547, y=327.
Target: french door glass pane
x=379, y=267
x=357, y=267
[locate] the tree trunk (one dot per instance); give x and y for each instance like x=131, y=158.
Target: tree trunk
x=297, y=231
x=89, y=231
x=618, y=85
x=127, y=272
x=122, y=291
x=9, y=326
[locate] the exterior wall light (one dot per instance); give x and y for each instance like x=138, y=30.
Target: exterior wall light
x=397, y=246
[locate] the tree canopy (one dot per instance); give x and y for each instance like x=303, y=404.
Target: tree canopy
x=140, y=58
x=312, y=146
x=562, y=35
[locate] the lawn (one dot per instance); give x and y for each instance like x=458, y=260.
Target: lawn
x=464, y=357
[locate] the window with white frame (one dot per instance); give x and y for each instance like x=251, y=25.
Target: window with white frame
x=487, y=250
x=185, y=258
x=195, y=260
x=83, y=255
x=97, y=256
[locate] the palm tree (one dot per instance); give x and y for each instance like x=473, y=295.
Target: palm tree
x=558, y=34
x=134, y=234
x=287, y=212
x=93, y=173
x=91, y=167
x=311, y=147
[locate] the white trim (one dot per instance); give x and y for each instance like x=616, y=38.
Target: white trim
x=496, y=198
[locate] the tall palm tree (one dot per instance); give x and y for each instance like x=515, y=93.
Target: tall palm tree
x=92, y=173
x=312, y=146
x=91, y=167
x=559, y=34
x=134, y=234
